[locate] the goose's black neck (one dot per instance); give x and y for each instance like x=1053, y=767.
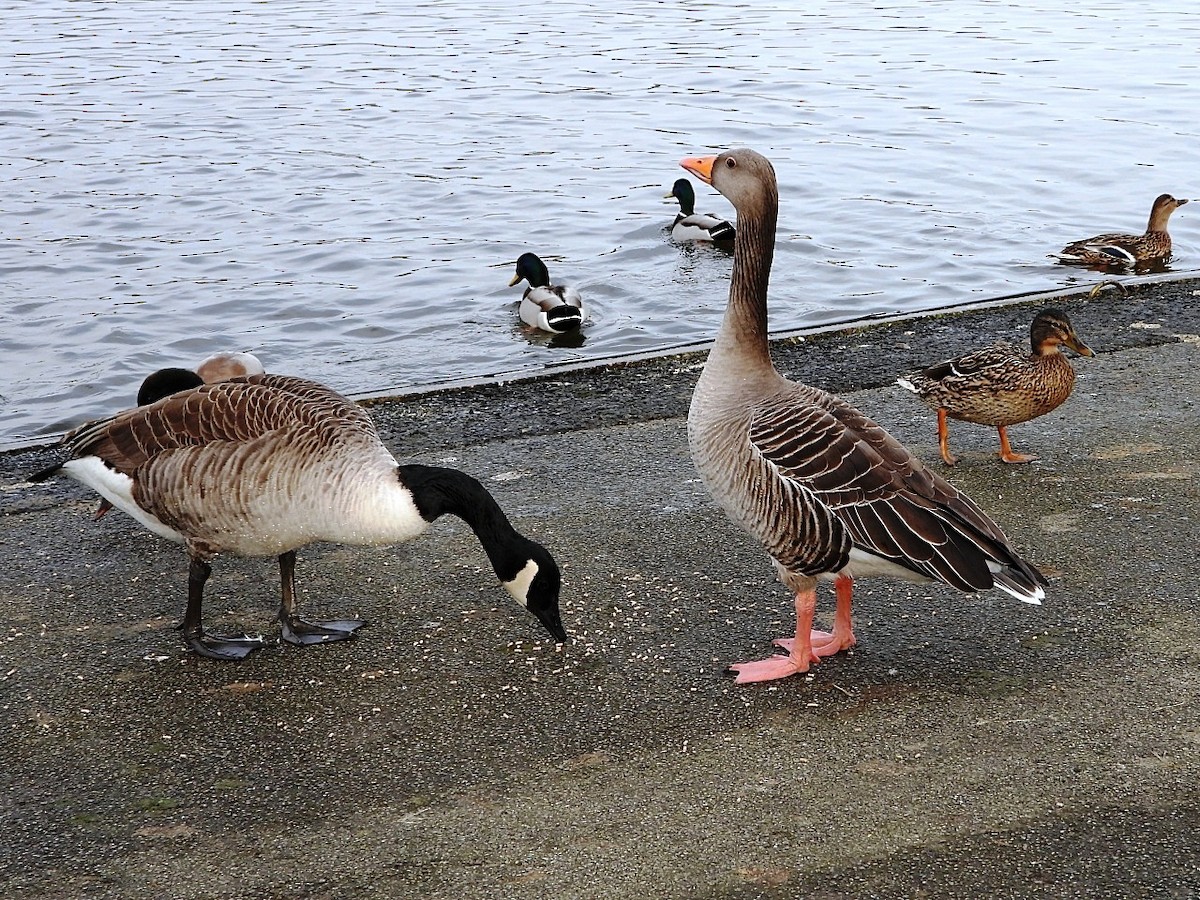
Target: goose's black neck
x=437, y=491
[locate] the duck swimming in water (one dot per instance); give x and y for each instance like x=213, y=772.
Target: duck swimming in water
x=1128, y=250
x=555, y=308
x=690, y=225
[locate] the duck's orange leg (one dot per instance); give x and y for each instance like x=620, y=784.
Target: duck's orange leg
x=944, y=439
x=1006, y=451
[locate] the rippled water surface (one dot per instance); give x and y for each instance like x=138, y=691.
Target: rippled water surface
x=342, y=188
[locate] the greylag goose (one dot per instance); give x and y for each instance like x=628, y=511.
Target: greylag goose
x=263, y=465
x=1002, y=385
x=548, y=307
x=828, y=493
x=1128, y=250
x=690, y=225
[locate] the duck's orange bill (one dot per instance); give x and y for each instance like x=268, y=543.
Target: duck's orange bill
x=700, y=166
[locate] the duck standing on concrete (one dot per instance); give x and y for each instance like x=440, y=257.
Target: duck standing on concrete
x=548, y=307
x=263, y=465
x=1002, y=385
x=828, y=493
x=1128, y=250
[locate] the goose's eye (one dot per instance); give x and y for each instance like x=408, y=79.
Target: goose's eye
x=730, y=163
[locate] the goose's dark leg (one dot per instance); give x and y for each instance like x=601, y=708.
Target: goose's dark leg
x=298, y=631
x=226, y=648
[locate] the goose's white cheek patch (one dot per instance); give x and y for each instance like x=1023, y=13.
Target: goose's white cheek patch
x=519, y=586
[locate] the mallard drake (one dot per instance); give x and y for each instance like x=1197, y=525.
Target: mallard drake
x=266, y=464
x=828, y=492
x=549, y=307
x=1128, y=249
x=1002, y=385
x=690, y=225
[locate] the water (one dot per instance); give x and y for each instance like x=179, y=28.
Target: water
x=343, y=188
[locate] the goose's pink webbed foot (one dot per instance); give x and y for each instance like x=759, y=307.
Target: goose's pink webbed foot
x=809, y=645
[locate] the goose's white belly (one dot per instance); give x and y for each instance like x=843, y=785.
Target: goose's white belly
x=271, y=516
x=117, y=489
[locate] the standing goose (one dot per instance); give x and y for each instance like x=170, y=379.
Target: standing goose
x=263, y=465
x=1002, y=385
x=548, y=307
x=828, y=493
x=690, y=225
x=1125, y=250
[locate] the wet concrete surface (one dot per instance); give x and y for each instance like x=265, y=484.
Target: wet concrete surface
x=969, y=746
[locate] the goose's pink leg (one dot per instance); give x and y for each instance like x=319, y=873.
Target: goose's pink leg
x=842, y=638
x=800, y=654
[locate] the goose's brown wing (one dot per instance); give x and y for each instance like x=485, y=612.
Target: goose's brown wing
x=854, y=479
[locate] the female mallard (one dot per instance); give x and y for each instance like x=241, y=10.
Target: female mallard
x=1002, y=385
x=1128, y=249
x=828, y=493
x=263, y=465
x=549, y=307
x=690, y=225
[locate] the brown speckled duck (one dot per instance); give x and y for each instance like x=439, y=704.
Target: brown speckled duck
x=266, y=464
x=827, y=492
x=1002, y=385
x=1128, y=250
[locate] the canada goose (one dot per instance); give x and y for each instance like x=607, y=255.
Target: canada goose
x=828, y=493
x=1128, y=250
x=1002, y=385
x=218, y=367
x=263, y=465
x=549, y=307
x=171, y=380
x=690, y=225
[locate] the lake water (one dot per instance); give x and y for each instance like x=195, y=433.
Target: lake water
x=342, y=188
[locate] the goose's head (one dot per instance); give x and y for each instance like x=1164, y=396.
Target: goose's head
x=165, y=382
x=745, y=178
x=1051, y=329
x=535, y=585
x=531, y=269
